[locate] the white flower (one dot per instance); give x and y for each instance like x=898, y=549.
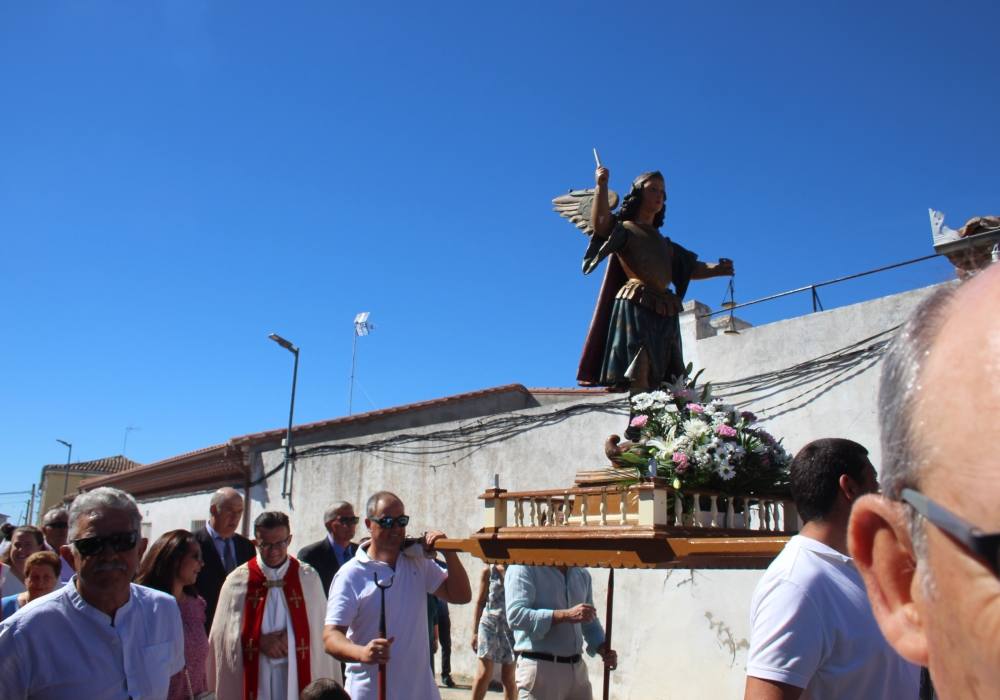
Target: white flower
x=658, y=444
x=725, y=471
x=659, y=399
x=695, y=428
x=642, y=402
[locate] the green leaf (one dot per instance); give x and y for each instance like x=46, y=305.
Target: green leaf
x=632, y=458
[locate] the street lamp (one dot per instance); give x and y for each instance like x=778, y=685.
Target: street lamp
x=361, y=327
x=69, y=458
x=287, y=345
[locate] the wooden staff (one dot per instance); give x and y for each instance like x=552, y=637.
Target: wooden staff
x=383, y=672
x=607, y=631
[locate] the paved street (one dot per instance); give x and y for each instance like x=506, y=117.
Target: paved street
x=462, y=690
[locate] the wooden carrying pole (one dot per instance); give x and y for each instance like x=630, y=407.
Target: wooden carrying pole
x=607, y=631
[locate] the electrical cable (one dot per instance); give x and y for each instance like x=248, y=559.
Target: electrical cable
x=817, y=375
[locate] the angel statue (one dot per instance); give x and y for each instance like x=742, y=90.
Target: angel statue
x=634, y=340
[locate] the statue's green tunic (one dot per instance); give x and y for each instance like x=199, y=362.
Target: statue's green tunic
x=636, y=311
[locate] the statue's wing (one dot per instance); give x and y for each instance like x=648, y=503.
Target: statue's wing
x=575, y=206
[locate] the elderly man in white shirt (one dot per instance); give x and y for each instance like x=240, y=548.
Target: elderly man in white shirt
x=100, y=636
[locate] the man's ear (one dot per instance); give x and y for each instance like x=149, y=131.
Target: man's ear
x=68, y=552
x=879, y=540
x=850, y=488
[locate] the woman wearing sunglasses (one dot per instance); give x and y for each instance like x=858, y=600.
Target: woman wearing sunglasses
x=25, y=541
x=41, y=576
x=171, y=565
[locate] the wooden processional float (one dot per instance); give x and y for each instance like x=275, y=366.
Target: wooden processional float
x=609, y=519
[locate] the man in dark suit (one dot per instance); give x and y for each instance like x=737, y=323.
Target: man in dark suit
x=327, y=555
x=222, y=549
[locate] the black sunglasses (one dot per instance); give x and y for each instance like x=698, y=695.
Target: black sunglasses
x=119, y=542
x=348, y=519
x=387, y=521
x=985, y=545
x=59, y=525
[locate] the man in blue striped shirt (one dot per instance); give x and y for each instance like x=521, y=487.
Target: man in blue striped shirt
x=551, y=612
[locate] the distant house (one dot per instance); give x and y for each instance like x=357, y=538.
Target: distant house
x=60, y=480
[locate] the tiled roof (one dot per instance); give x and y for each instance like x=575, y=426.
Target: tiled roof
x=223, y=463
x=105, y=465
x=279, y=433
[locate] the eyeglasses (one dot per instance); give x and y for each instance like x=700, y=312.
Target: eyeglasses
x=119, y=542
x=280, y=544
x=985, y=545
x=348, y=519
x=387, y=521
x=58, y=525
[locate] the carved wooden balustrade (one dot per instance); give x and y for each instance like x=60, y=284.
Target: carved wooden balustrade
x=644, y=524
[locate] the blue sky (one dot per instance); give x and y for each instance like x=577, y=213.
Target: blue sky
x=178, y=179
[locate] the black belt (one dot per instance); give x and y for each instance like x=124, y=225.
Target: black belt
x=542, y=656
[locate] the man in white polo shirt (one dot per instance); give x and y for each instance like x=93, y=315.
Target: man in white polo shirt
x=813, y=634
x=353, y=611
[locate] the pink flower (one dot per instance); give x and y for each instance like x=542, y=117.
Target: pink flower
x=680, y=462
x=725, y=431
x=696, y=408
x=639, y=421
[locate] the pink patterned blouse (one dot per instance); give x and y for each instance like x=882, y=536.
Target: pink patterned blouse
x=195, y=650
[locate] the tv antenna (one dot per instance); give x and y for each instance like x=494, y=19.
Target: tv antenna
x=362, y=327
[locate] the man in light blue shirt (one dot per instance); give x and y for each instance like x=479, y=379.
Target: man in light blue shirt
x=100, y=636
x=551, y=612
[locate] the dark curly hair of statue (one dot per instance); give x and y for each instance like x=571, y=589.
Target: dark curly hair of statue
x=631, y=202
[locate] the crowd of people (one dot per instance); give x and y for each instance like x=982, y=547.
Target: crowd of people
x=890, y=590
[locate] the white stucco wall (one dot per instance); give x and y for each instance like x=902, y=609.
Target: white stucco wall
x=680, y=634
x=174, y=512
x=829, y=402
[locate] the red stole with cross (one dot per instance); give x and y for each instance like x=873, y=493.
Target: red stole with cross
x=253, y=618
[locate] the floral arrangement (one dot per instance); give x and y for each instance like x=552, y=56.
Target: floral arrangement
x=695, y=440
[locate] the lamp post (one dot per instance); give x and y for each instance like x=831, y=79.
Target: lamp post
x=287, y=345
x=69, y=458
x=361, y=327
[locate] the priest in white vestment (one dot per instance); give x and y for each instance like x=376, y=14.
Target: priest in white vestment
x=267, y=635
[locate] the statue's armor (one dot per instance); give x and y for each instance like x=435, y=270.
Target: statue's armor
x=647, y=256
x=647, y=260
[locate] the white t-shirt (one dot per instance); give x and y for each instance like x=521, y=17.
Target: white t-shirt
x=355, y=603
x=811, y=626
